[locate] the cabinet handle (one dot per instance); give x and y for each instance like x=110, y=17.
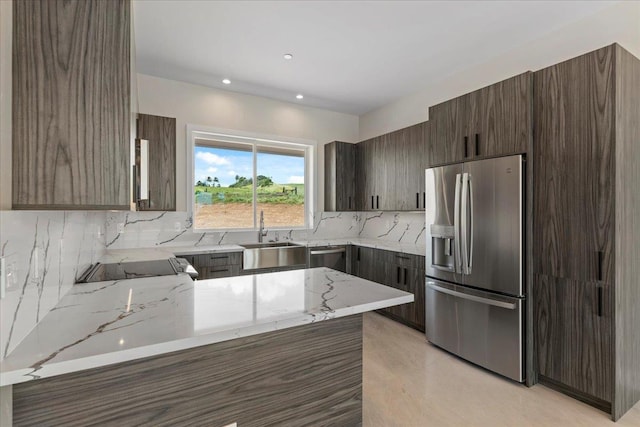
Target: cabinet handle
x=377, y=202
x=424, y=200
x=372, y=206
x=349, y=202
x=405, y=277
x=600, y=260
x=398, y=275
x=358, y=255
x=466, y=144
x=599, y=301
x=403, y=257
x=220, y=257
x=220, y=270
x=417, y=200
x=477, y=144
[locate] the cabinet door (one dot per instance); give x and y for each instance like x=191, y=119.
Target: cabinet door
x=414, y=280
x=574, y=334
x=448, y=129
x=339, y=177
x=345, y=177
x=409, y=169
x=574, y=168
x=161, y=134
x=500, y=118
x=71, y=123
x=383, y=171
x=367, y=265
x=365, y=184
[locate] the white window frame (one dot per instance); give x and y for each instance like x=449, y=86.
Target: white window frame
x=310, y=170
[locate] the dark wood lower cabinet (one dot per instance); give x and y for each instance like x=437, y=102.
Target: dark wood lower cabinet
x=309, y=375
x=398, y=270
x=574, y=335
x=216, y=264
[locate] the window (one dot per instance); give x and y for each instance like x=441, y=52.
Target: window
x=234, y=178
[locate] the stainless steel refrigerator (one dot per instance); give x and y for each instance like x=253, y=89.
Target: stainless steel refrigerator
x=474, y=262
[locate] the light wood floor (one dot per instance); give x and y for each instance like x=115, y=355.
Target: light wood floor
x=408, y=382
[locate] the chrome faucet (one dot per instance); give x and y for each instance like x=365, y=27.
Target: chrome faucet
x=262, y=232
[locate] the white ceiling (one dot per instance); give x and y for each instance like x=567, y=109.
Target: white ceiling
x=350, y=56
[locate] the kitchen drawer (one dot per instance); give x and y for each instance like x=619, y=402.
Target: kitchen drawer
x=219, y=271
x=401, y=259
x=219, y=259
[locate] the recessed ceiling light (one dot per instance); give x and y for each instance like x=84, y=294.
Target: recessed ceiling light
x=288, y=56
x=299, y=96
x=226, y=81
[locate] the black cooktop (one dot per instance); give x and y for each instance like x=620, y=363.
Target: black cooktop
x=137, y=269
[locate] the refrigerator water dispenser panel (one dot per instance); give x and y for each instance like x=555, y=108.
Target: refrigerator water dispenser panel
x=442, y=241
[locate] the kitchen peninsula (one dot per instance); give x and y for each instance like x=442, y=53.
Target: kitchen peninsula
x=275, y=348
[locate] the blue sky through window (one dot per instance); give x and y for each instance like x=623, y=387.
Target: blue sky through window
x=225, y=164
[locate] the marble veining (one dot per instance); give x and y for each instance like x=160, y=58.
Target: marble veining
x=149, y=229
x=44, y=251
x=109, y=322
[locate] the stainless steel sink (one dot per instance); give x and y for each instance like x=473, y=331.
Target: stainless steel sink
x=273, y=255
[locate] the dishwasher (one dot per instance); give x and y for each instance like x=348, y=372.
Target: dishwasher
x=334, y=257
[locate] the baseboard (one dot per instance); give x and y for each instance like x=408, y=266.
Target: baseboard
x=576, y=394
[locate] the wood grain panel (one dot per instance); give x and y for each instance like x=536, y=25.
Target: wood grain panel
x=384, y=164
x=627, y=246
x=573, y=341
x=340, y=177
x=308, y=375
x=501, y=116
x=346, y=177
x=365, y=180
x=409, y=165
x=573, y=167
x=71, y=90
x=448, y=127
x=161, y=134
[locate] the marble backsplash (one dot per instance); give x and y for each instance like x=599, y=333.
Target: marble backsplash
x=126, y=230
x=43, y=253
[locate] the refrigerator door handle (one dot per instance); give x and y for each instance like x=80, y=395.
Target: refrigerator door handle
x=470, y=225
x=457, y=258
x=464, y=214
x=486, y=301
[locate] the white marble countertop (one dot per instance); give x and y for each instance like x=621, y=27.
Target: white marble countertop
x=145, y=254
x=102, y=323
x=197, y=250
x=387, y=245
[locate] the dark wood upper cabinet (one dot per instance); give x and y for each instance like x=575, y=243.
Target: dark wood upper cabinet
x=375, y=173
x=574, y=168
x=340, y=177
x=390, y=170
x=161, y=134
x=586, y=229
x=71, y=122
x=500, y=118
x=448, y=129
x=410, y=165
x=490, y=122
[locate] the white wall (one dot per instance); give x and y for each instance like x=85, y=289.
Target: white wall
x=200, y=105
x=618, y=23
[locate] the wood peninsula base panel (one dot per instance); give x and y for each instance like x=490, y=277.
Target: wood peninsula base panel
x=307, y=375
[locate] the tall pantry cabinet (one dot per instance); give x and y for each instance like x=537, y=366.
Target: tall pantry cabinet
x=587, y=228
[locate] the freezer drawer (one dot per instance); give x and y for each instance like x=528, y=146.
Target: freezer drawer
x=481, y=327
